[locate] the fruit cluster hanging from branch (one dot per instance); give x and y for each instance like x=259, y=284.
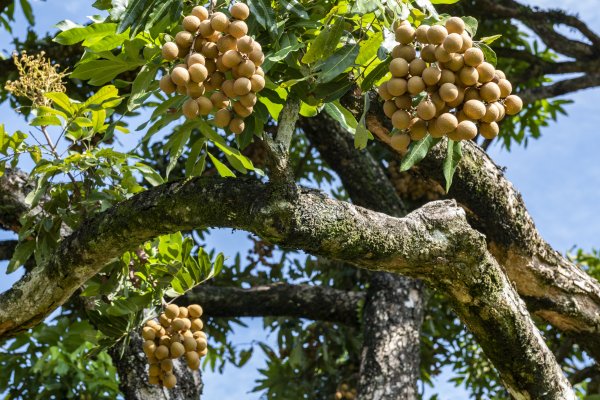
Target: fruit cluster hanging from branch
x=221, y=70
x=177, y=333
x=447, y=89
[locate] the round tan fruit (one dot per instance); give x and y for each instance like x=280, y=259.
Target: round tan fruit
x=177, y=350
x=400, y=141
x=244, y=44
x=383, y=91
x=201, y=344
x=205, y=29
x=467, y=42
x=257, y=82
x=248, y=100
x=222, y=118
x=500, y=74
x=238, y=29
x=436, y=34
x=466, y=130
x=456, y=62
x=491, y=113
x=169, y=380
x=426, y=110
x=190, y=110
x=401, y=119
x=191, y=356
x=246, y=68
x=153, y=380
x=473, y=57
x=243, y=112
x=164, y=321
x=441, y=55
x=219, y=22
x=468, y=76
x=434, y=130
x=184, y=39
x=474, y=109
x=399, y=67
x=178, y=323
x=170, y=51
x=240, y=11
x=415, y=85
x=489, y=131
x=198, y=73
x=166, y=365
x=210, y=50
x=227, y=88
x=486, y=72
x=513, y=104
x=428, y=53
x=403, y=102
x=205, y=106
x=242, y=86
x=455, y=25
x=257, y=57
x=437, y=101
x=226, y=42
x=200, y=12
x=453, y=43
x=191, y=23
x=501, y=112
x=166, y=84
x=148, y=333
x=165, y=340
x=195, y=58
x=389, y=108
x=421, y=33
x=154, y=370
x=219, y=100
x=231, y=58
x=407, y=52
x=418, y=129
x=446, y=76
x=197, y=325
x=396, y=86
x=161, y=352
x=211, y=65
x=505, y=87
x=447, y=122
x=448, y=92
x=149, y=347
x=195, y=311
x=416, y=67
x=472, y=94
x=405, y=34
x=490, y=92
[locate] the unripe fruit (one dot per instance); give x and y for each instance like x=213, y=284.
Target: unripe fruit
x=456, y=62
x=258, y=83
x=389, y=108
x=453, y=43
x=236, y=126
x=491, y=113
x=205, y=29
x=243, y=112
x=405, y=34
x=400, y=141
x=190, y=110
x=448, y=92
x=399, y=67
x=447, y=122
x=468, y=76
x=505, y=87
x=474, y=109
x=416, y=67
x=426, y=110
x=200, y=12
x=210, y=50
x=436, y=34
x=169, y=380
x=166, y=84
x=238, y=29
x=161, y=352
x=240, y=11
x=428, y=53
x=513, y=104
x=226, y=42
x=184, y=39
x=455, y=25
x=415, y=85
x=198, y=73
x=205, y=106
x=407, y=52
x=466, y=130
x=246, y=68
x=473, y=57
x=490, y=92
x=396, y=86
x=219, y=100
x=222, y=118
x=446, y=76
x=441, y=55
x=403, y=102
x=178, y=323
x=421, y=33
x=177, y=350
x=383, y=92
x=489, y=131
x=170, y=51
x=191, y=23
x=219, y=22
x=244, y=44
x=248, y=100
x=401, y=119
x=418, y=129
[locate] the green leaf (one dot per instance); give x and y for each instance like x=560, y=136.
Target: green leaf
x=263, y=13
x=26, y=7
x=149, y=174
x=326, y=42
x=134, y=11
x=490, y=39
x=362, y=135
x=176, y=145
x=295, y=8
x=337, y=63
x=453, y=157
x=45, y=120
x=105, y=97
x=366, y=6
x=280, y=55
x=99, y=72
x=471, y=25
x=377, y=73
x=22, y=252
x=62, y=101
x=488, y=53
x=444, y=1
x=139, y=89
x=221, y=168
x=417, y=152
x=369, y=48
x=341, y=115
x=88, y=35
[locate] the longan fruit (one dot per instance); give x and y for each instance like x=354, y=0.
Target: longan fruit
x=473, y=57
x=165, y=340
x=421, y=33
x=407, y=52
x=448, y=92
x=177, y=350
x=226, y=42
x=169, y=380
x=460, y=116
x=403, y=102
x=217, y=78
x=416, y=67
x=205, y=106
x=257, y=57
x=193, y=365
x=490, y=92
x=401, y=119
x=219, y=100
x=466, y=130
x=182, y=89
x=383, y=91
x=195, y=90
x=205, y=29
x=434, y=130
x=242, y=86
x=418, y=129
x=426, y=110
x=201, y=344
x=170, y=51
x=200, y=12
x=166, y=84
x=195, y=58
x=428, y=53
x=238, y=29
x=446, y=76
x=244, y=44
x=198, y=73
x=447, y=122
x=491, y=113
x=221, y=66
x=468, y=75
x=176, y=337
x=189, y=343
x=415, y=85
x=210, y=50
x=501, y=112
x=513, y=104
x=152, y=323
x=500, y=74
x=197, y=324
x=154, y=370
x=257, y=82
x=190, y=110
x=489, y=131
x=441, y=55
x=183, y=312
x=164, y=321
x=474, y=109
x=467, y=42
x=198, y=43
x=166, y=365
x=472, y=94
x=243, y=112
x=191, y=23
x=389, y=108
x=396, y=86
x=149, y=347
x=161, y=352
x=178, y=323
x=405, y=34
x=227, y=88
x=453, y=43
x=246, y=68
x=399, y=67
x=153, y=380
x=231, y=58
x=222, y=118
x=236, y=126
x=437, y=101
x=455, y=25
x=436, y=34
x=248, y=100
x=400, y=141
x=240, y=11
x=456, y=62
x=505, y=87
x=219, y=22
x=211, y=65
x=184, y=39
x=486, y=72
x=148, y=333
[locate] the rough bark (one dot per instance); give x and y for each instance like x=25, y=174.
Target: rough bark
x=434, y=243
x=393, y=312
x=14, y=186
x=301, y=301
x=7, y=248
x=132, y=368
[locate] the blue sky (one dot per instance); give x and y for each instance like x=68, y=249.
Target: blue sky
x=558, y=176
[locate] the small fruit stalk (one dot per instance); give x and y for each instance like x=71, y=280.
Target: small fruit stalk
x=219, y=67
x=442, y=85
x=178, y=333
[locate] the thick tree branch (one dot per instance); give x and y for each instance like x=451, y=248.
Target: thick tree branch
x=7, y=248
x=14, y=186
x=300, y=301
x=278, y=147
x=560, y=88
x=435, y=243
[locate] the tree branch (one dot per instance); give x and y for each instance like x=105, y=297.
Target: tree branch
x=14, y=186
x=278, y=147
x=7, y=248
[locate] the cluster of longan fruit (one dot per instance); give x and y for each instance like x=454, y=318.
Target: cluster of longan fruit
x=221, y=70
x=446, y=89
x=177, y=333
x=344, y=392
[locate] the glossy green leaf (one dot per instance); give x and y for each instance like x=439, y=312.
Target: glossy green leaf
x=490, y=39
x=369, y=48
x=326, y=42
x=488, y=53
x=337, y=63
x=342, y=116
x=221, y=168
x=263, y=13
x=294, y=7
x=471, y=25
x=45, y=120
x=453, y=157
x=377, y=73
x=417, y=152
